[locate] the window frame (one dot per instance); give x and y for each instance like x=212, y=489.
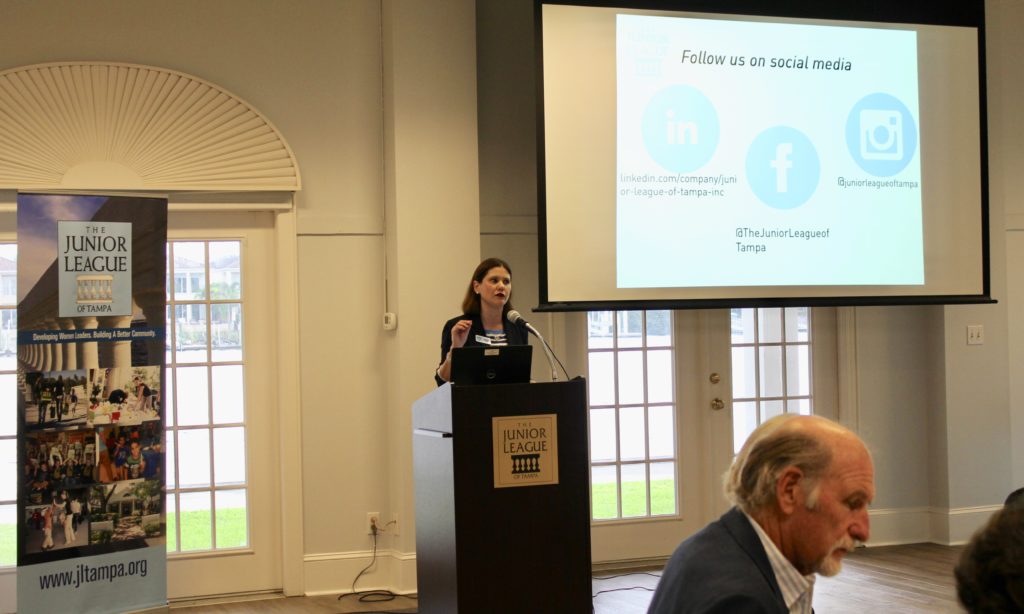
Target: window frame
x=758, y=399
x=10, y=314
x=201, y=302
x=618, y=324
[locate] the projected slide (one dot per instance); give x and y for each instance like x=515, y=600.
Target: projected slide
x=763, y=154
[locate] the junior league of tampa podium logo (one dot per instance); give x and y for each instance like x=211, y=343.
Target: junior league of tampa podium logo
x=525, y=450
x=525, y=463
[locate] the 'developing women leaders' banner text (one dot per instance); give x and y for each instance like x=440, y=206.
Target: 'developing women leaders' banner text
x=91, y=314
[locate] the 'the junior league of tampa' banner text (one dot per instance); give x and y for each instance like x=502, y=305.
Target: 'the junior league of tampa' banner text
x=91, y=341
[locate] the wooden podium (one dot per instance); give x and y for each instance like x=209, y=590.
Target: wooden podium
x=508, y=541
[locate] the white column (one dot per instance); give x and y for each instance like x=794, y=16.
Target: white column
x=154, y=310
x=88, y=355
x=56, y=349
x=432, y=206
x=119, y=353
x=69, y=350
x=45, y=350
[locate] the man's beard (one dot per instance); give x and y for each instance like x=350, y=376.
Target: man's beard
x=831, y=565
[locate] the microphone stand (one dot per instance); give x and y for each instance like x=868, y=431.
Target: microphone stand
x=514, y=317
x=547, y=351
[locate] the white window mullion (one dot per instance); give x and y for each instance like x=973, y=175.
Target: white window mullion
x=200, y=282
x=788, y=396
x=8, y=441
x=626, y=325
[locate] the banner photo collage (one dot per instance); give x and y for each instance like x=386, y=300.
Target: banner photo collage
x=91, y=353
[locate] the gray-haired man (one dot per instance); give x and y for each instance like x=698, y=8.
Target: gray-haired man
x=801, y=486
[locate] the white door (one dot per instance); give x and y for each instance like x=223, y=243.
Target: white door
x=672, y=396
x=8, y=408
x=223, y=458
x=655, y=440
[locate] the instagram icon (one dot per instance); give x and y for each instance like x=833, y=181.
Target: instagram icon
x=881, y=134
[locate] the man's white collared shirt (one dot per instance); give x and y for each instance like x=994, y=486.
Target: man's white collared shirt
x=797, y=590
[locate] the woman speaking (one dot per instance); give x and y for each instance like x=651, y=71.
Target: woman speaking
x=483, y=319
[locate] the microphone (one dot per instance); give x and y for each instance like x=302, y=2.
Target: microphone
x=516, y=318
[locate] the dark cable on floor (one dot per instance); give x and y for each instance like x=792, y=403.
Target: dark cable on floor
x=626, y=588
x=375, y=596
x=623, y=575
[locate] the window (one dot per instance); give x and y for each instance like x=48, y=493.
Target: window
x=207, y=486
x=8, y=283
x=632, y=414
x=771, y=366
x=9, y=411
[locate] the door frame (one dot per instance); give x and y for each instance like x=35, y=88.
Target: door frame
x=702, y=435
x=286, y=401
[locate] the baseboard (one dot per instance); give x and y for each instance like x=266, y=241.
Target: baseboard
x=895, y=526
x=212, y=600
x=9, y=590
x=332, y=573
x=954, y=527
x=153, y=610
x=915, y=525
x=628, y=565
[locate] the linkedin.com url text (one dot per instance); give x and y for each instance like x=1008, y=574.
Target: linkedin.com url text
x=716, y=180
x=648, y=185
x=660, y=192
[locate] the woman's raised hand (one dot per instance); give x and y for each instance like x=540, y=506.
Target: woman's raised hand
x=460, y=333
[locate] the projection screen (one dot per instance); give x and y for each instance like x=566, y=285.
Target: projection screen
x=694, y=159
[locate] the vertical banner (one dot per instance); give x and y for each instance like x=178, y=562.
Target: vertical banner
x=91, y=351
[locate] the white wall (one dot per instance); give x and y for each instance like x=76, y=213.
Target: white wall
x=977, y=378
x=894, y=377
x=433, y=219
x=1006, y=90
x=379, y=103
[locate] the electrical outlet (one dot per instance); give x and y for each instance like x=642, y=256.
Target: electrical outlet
x=372, y=523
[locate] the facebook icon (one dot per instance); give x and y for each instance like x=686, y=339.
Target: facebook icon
x=781, y=164
x=783, y=167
